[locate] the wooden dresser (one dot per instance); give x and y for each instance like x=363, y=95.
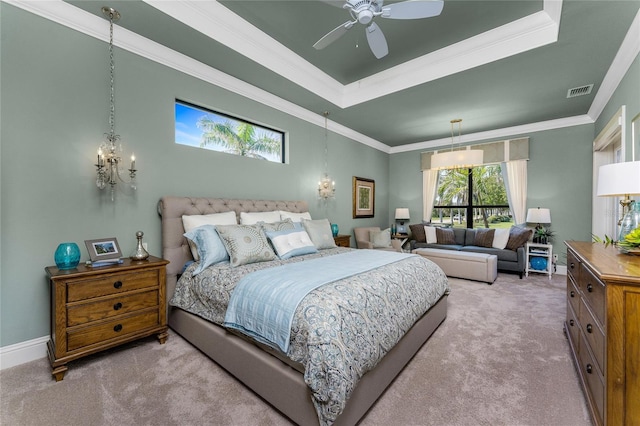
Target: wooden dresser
x=93, y=309
x=342, y=240
x=603, y=329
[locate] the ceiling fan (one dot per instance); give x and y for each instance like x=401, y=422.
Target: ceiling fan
x=365, y=11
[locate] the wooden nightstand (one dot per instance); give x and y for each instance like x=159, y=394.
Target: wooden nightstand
x=343, y=240
x=93, y=309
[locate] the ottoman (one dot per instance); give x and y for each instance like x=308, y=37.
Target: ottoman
x=461, y=264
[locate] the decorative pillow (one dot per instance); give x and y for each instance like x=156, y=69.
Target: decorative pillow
x=445, y=236
x=277, y=226
x=380, y=239
x=245, y=244
x=430, y=234
x=296, y=217
x=500, y=238
x=518, y=237
x=291, y=242
x=209, y=246
x=320, y=233
x=417, y=233
x=190, y=222
x=484, y=237
x=251, y=218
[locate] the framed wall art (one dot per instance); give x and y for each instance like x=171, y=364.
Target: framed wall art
x=103, y=249
x=364, y=193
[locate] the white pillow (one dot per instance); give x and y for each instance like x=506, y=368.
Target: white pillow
x=295, y=217
x=190, y=222
x=291, y=242
x=430, y=233
x=251, y=218
x=500, y=238
x=320, y=233
x=380, y=239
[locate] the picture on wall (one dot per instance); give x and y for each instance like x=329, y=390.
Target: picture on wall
x=364, y=193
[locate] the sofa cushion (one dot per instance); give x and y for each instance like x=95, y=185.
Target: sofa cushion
x=484, y=237
x=460, y=235
x=518, y=237
x=439, y=246
x=504, y=255
x=417, y=232
x=445, y=236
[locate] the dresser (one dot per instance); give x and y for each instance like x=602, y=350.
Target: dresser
x=603, y=329
x=93, y=309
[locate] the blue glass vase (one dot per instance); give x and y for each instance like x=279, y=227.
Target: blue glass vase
x=334, y=229
x=538, y=263
x=67, y=256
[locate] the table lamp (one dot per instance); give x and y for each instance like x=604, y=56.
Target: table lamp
x=402, y=214
x=620, y=180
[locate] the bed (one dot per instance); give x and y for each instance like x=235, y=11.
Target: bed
x=267, y=371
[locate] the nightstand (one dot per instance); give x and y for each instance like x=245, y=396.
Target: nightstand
x=539, y=259
x=403, y=238
x=342, y=240
x=93, y=309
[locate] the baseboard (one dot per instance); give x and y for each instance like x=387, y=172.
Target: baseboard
x=22, y=352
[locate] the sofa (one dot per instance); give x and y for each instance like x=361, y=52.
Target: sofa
x=511, y=258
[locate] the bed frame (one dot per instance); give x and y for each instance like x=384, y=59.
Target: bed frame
x=271, y=378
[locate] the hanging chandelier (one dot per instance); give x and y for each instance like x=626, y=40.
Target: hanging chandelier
x=326, y=185
x=110, y=150
x=459, y=159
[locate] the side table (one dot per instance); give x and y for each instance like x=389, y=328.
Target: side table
x=403, y=238
x=342, y=240
x=539, y=259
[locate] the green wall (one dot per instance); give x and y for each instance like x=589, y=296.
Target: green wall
x=54, y=112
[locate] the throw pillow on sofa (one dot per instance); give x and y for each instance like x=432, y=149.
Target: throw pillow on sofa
x=430, y=233
x=484, y=237
x=501, y=238
x=445, y=236
x=518, y=237
x=417, y=233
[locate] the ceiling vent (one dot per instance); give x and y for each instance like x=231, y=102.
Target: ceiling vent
x=579, y=91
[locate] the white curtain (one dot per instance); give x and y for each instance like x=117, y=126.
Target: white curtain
x=429, y=182
x=514, y=174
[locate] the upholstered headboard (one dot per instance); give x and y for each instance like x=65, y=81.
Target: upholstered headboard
x=171, y=209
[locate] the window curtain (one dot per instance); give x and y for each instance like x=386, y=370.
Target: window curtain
x=429, y=182
x=514, y=174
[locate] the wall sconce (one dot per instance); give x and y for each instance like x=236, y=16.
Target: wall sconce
x=108, y=169
x=326, y=186
x=402, y=214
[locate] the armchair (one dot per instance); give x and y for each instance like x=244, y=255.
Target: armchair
x=363, y=239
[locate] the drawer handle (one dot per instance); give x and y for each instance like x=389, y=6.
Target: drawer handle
x=117, y=284
x=589, y=328
x=117, y=328
x=572, y=265
x=589, y=368
x=117, y=306
x=571, y=323
x=572, y=293
x=589, y=288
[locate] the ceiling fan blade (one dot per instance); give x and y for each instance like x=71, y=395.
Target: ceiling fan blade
x=377, y=41
x=413, y=9
x=333, y=35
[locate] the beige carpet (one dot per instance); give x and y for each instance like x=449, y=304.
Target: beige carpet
x=500, y=358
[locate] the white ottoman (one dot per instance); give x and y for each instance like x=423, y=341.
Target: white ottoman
x=462, y=264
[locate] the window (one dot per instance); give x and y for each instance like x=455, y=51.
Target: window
x=472, y=198
x=215, y=131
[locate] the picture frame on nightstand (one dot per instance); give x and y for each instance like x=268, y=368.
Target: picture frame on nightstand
x=103, y=249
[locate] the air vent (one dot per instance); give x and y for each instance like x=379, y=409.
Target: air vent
x=579, y=91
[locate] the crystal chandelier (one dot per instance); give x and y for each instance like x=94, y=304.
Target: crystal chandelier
x=461, y=159
x=110, y=150
x=326, y=186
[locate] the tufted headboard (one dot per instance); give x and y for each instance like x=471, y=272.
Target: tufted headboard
x=171, y=209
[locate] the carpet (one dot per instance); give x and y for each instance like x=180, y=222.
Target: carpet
x=500, y=358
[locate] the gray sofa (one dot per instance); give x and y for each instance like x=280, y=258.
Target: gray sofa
x=508, y=260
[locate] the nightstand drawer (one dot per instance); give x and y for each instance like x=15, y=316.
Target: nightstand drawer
x=593, y=292
x=111, y=284
x=119, y=327
x=119, y=305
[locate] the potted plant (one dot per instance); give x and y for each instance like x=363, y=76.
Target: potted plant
x=542, y=235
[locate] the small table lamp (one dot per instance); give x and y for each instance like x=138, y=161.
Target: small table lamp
x=538, y=216
x=620, y=180
x=402, y=214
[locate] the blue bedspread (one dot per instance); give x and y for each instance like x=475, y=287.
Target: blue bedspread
x=264, y=302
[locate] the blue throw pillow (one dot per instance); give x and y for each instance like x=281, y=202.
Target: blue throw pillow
x=291, y=242
x=210, y=247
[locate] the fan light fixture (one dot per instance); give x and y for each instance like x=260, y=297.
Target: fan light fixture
x=461, y=159
x=326, y=186
x=109, y=151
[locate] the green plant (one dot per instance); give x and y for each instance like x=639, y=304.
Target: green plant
x=607, y=240
x=631, y=240
x=543, y=234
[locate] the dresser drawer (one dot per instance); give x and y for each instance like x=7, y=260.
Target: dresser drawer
x=122, y=304
x=572, y=326
x=111, y=284
x=593, y=378
x=104, y=331
x=593, y=291
x=593, y=333
x=573, y=295
x=573, y=266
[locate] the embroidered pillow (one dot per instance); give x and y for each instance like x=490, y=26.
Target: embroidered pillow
x=190, y=222
x=320, y=233
x=209, y=246
x=484, y=237
x=296, y=217
x=445, y=236
x=430, y=234
x=251, y=218
x=291, y=242
x=417, y=233
x=246, y=244
x=500, y=238
x=380, y=239
x=277, y=226
x=518, y=237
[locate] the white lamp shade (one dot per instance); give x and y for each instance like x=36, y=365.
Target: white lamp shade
x=462, y=159
x=539, y=215
x=402, y=214
x=619, y=179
